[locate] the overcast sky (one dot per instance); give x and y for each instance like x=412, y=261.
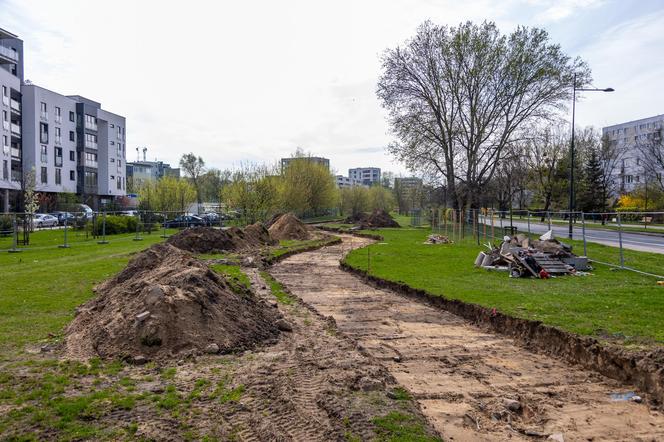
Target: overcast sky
x=252, y=80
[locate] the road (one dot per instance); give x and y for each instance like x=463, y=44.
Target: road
x=461, y=375
x=633, y=241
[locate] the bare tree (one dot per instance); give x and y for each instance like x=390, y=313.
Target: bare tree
x=193, y=167
x=652, y=150
x=457, y=96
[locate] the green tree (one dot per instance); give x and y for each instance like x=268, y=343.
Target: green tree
x=309, y=189
x=193, y=167
x=592, y=194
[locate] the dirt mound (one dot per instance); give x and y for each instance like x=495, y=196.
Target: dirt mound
x=273, y=220
x=288, y=226
x=210, y=240
x=377, y=218
x=167, y=303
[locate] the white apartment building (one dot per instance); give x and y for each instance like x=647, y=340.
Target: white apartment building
x=630, y=137
x=344, y=181
x=366, y=175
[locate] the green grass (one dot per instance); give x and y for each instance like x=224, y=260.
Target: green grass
x=237, y=278
x=277, y=289
x=289, y=246
x=401, y=427
x=41, y=286
x=617, y=305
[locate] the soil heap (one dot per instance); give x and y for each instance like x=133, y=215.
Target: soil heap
x=289, y=227
x=210, y=240
x=376, y=219
x=167, y=303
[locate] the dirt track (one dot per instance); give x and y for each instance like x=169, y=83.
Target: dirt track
x=461, y=375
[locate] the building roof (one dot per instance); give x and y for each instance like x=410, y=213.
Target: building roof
x=654, y=117
x=7, y=34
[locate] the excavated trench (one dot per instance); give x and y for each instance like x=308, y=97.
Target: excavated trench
x=470, y=383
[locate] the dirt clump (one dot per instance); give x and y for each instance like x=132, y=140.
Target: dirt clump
x=289, y=227
x=167, y=303
x=376, y=219
x=211, y=240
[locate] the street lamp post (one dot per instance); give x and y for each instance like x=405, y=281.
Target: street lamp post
x=571, y=151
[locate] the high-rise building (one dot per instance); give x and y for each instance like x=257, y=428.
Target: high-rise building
x=70, y=143
x=317, y=160
x=11, y=78
x=366, y=175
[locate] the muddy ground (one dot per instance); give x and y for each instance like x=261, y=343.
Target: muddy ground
x=311, y=384
x=471, y=384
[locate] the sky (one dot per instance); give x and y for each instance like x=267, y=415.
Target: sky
x=250, y=81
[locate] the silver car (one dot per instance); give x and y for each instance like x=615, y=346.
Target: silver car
x=44, y=220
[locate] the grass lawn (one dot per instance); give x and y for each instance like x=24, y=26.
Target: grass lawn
x=620, y=305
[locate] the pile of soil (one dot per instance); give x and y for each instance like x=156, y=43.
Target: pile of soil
x=289, y=227
x=376, y=219
x=167, y=303
x=210, y=240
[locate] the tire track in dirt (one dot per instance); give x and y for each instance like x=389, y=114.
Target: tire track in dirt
x=461, y=375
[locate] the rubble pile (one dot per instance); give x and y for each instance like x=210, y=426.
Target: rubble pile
x=211, y=240
x=288, y=227
x=523, y=257
x=377, y=219
x=438, y=239
x=166, y=303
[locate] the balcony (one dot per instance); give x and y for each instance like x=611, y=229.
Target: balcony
x=16, y=129
x=8, y=55
x=91, y=163
x=15, y=106
x=16, y=153
x=16, y=175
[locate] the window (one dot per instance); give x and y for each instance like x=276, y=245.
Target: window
x=44, y=175
x=90, y=122
x=112, y=160
x=119, y=165
x=58, y=156
x=90, y=179
x=58, y=176
x=119, y=133
x=91, y=141
x=71, y=116
x=44, y=154
x=44, y=112
x=5, y=170
x=72, y=175
x=72, y=136
x=91, y=159
x=5, y=144
x=43, y=133
x=58, y=117
x=58, y=138
x=119, y=183
x=112, y=125
x=637, y=178
x=72, y=156
x=112, y=177
x=120, y=149
x=5, y=120
x=112, y=143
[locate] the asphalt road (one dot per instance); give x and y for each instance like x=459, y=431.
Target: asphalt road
x=634, y=241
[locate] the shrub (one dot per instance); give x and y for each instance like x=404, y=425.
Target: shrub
x=114, y=224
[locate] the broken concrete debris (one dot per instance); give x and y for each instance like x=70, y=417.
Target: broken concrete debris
x=438, y=239
x=521, y=256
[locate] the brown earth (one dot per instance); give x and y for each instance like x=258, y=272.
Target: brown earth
x=166, y=303
x=376, y=219
x=289, y=227
x=472, y=384
x=211, y=240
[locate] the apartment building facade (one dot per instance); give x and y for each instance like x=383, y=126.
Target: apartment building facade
x=11, y=78
x=144, y=171
x=316, y=160
x=632, y=139
x=344, y=181
x=365, y=175
x=69, y=142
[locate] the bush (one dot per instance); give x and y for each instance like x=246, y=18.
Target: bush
x=114, y=224
x=6, y=224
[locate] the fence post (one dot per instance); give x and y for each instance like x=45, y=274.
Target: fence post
x=138, y=221
x=164, y=226
x=529, y=223
x=65, y=245
x=583, y=233
x=477, y=224
x=493, y=233
x=502, y=228
x=548, y=215
x=14, y=248
x=103, y=229
x=622, y=257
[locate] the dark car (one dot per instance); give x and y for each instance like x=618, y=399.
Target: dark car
x=211, y=218
x=185, y=221
x=62, y=216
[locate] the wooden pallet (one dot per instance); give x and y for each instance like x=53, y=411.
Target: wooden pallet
x=551, y=265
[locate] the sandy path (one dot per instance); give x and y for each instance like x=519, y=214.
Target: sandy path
x=460, y=374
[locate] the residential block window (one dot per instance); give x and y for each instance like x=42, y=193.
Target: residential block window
x=119, y=183
x=72, y=136
x=58, y=117
x=5, y=120
x=119, y=149
x=5, y=170
x=91, y=141
x=112, y=160
x=44, y=154
x=58, y=137
x=5, y=95
x=72, y=117
x=90, y=122
x=43, y=133
x=119, y=133
x=90, y=178
x=44, y=111
x=91, y=159
x=72, y=175
x=72, y=156
x=44, y=175
x=58, y=156
x=119, y=166
x=58, y=176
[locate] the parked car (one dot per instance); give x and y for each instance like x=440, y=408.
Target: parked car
x=62, y=216
x=128, y=213
x=185, y=221
x=44, y=220
x=211, y=218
